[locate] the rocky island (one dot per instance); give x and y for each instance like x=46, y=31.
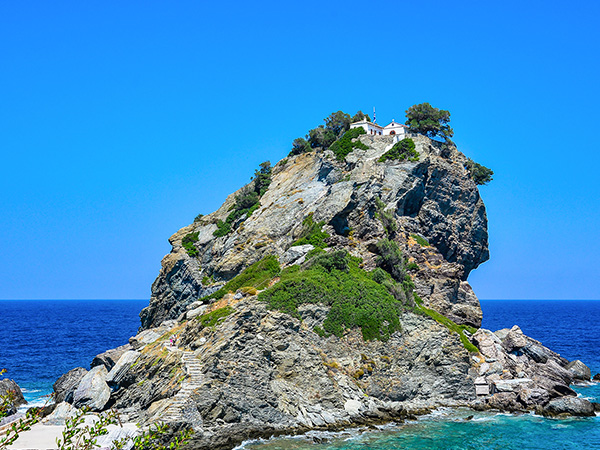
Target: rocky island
x=330, y=291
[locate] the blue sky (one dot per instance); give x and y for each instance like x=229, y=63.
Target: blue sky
x=120, y=121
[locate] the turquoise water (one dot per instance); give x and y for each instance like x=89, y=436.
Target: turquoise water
x=451, y=430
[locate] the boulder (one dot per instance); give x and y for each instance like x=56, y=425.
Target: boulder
x=573, y=406
x=579, y=370
x=533, y=397
x=61, y=412
x=11, y=389
x=196, y=312
x=67, y=383
x=513, y=385
x=295, y=254
x=505, y=401
x=514, y=340
x=92, y=391
x=596, y=377
x=114, y=377
x=536, y=353
x=110, y=357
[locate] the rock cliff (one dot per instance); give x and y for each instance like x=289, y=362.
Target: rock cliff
x=434, y=198
x=337, y=295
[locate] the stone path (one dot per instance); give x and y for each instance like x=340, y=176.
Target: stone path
x=193, y=368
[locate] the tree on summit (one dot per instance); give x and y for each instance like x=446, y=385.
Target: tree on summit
x=429, y=121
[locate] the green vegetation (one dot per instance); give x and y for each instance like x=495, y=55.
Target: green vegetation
x=299, y=146
x=420, y=240
x=343, y=146
x=386, y=217
x=429, y=121
x=323, y=136
x=401, y=151
x=451, y=325
x=188, y=243
x=335, y=279
x=216, y=317
x=391, y=259
x=198, y=217
x=480, y=174
x=248, y=201
x=256, y=275
x=412, y=266
x=312, y=233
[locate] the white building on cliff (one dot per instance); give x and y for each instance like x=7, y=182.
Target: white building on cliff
x=393, y=128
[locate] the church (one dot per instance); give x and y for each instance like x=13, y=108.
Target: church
x=393, y=128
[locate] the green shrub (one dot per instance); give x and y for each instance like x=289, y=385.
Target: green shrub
x=216, y=317
x=451, y=325
x=299, y=146
x=391, y=259
x=333, y=260
x=386, y=217
x=344, y=145
x=248, y=201
x=256, y=275
x=480, y=174
x=412, y=266
x=379, y=275
x=188, y=244
x=355, y=299
x=401, y=151
x=312, y=233
x=420, y=240
x=198, y=217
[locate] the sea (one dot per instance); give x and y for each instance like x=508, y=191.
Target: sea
x=42, y=339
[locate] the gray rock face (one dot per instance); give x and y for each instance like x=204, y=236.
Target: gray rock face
x=62, y=411
x=572, y=406
x=518, y=365
x=65, y=386
x=92, y=391
x=295, y=254
x=110, y=357
x=118, y=372
x=434, y=198
x=579, y=370
x=9, y=388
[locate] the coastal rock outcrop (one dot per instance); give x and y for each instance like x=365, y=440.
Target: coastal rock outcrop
x=232, y=345
x=65, y=386
x=92, y=391
x=11, y=391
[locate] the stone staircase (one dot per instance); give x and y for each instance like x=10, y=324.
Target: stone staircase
x=193, y=368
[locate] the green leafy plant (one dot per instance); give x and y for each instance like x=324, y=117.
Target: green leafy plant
x=198, y=217
x=335, y=279
x=256, y=275
x=216, y=317
x=480, y=174
x=448, y=323
x=401, y=151
x=248, y=201
x=188, y=244
x=344, y=145
x=429, y=121
x=386, y=217
x=312, y=233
